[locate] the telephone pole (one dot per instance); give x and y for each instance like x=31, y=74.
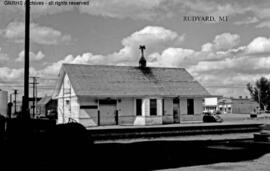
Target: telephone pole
x=34, y=83
x=25, y=108
x=10, y=106
x=15, y=101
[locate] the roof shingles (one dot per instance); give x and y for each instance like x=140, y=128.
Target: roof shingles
x=103, y=80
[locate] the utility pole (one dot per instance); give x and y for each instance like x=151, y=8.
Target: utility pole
x=259, y=98
x=34, y=83
x=25, y=109
x=10, y=106
x=15, y=101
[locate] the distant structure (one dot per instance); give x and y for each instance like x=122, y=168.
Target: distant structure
x=3, y=102
x=96, y=95
x=210, y=104
x=47, y=107
x=244, y=105
x=225, y=105
x=237, y=105
x=31, y=102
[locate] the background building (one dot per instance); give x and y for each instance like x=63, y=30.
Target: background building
x=225, y=105
x=210, y=104
x=237, y=105
x=3, y=102
x=244, y=105
x=47, y=107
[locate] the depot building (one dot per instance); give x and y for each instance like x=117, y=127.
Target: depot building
x=100, y=95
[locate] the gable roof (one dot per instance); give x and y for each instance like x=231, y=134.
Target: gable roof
x=113, y=81
x=45, y=100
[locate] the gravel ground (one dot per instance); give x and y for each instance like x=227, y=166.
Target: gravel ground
x=261, y=164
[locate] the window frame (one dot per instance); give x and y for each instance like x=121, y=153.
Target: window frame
x=153, y=107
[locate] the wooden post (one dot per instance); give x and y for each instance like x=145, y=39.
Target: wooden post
x=116, y=117
x=25, y=111
x=98, y=118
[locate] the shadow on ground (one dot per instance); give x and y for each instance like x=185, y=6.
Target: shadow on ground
x=67, y=147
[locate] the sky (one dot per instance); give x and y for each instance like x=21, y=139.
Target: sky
x=222, y=55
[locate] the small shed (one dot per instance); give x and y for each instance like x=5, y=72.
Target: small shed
x=47, y=106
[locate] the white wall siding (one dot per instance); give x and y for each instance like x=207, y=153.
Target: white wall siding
x=168, y=106
x=168, y=111
x=126, y=111
x=145, y=107
x=198, y=105
x=159, y=107
x=183, y=106
x=126, y=107
x=67, y=110
x=88, y=117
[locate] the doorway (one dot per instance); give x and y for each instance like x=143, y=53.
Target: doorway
x=190, y=106
x=176, y=110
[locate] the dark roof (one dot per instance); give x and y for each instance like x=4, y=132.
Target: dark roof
x=104, y=80
x=45, y=100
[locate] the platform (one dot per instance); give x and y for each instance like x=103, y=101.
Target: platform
x=194, y=131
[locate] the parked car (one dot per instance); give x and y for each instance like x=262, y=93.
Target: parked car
x=209, y=117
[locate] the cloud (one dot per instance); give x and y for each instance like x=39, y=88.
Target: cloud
x=219, y=62
x=172, y=57
x=3, y=56
x=86, y=58
x=140, y=9
x=39, y=34
x=36, y=10
x=264, y=24
x=8, y=74
x=33, y=57
x=259, y=45
x=159, y=50
x=249, y=20
x=155, y=38
x=223, y=41
x=151, y=10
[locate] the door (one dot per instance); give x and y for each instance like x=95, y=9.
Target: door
x=176, y=110
x=107, y=112
x=190, y=106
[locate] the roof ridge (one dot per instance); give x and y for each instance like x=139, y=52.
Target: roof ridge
x=122, y=66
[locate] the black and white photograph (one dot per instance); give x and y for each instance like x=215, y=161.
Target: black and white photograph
x=178, y=85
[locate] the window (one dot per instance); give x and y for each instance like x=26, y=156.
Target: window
x=190, y=106
x=68, y=105
x=163, y=111
x=153, y=107
x=138, y=107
